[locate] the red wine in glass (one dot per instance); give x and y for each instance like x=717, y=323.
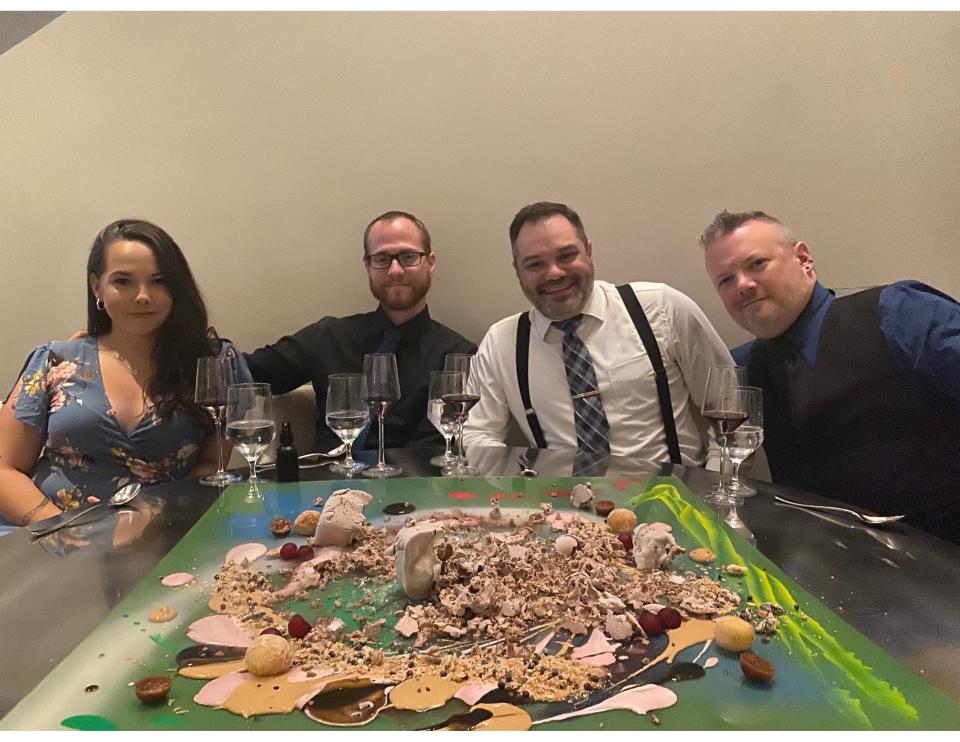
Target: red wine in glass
x=724, y=422
x=461, y=403
x=379, y=404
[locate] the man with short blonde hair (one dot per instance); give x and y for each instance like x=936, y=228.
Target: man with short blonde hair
x=861, y=392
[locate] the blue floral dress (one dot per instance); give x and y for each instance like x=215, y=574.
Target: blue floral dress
x=86, y=450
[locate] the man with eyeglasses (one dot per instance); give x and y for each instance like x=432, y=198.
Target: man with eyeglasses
x=400, y=264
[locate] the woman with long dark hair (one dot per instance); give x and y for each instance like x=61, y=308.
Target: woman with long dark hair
x=116, y=406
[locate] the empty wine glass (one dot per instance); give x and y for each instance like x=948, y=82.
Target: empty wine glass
x=441, y=414
x=383, y=389
x=214, y=377
x=745, y=440
x=724, y=407
x=250, y=425
x=347, y=415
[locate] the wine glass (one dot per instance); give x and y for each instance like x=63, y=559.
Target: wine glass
x=250, y=425
x=383, y=389
x=745, y=440
x=724, y=407
x=347, y=415
x=458, y=362
x=214, y=377
x=440, y=414
x=461, y=402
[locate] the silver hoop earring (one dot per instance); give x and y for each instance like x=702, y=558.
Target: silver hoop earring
x=100, y=304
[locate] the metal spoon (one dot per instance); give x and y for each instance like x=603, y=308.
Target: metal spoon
x=121, y=497
x=525, y=469
x=873, y=520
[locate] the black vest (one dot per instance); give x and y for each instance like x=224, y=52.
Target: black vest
x=857, y=426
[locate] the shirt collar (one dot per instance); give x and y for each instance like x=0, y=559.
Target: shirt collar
x=807, y=326
x=596, y=308
x=412, y=329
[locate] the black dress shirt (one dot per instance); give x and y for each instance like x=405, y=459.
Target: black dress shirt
x=337, y=345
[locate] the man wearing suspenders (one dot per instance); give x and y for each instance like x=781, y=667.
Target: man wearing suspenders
x=592, y=367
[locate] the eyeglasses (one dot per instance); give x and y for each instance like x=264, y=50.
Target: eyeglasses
x=383, y=260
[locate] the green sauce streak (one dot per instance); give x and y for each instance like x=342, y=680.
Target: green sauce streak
x=806, y=639
x=89, y=723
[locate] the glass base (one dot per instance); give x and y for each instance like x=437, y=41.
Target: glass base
x=460, y=471
x=443, y=461
x=221, y=479
x=355, y=467
x=384, y=472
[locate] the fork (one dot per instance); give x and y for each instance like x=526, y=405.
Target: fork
x=324, y=458
x=873, y=520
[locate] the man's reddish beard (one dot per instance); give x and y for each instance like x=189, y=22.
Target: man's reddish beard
x=416, y=292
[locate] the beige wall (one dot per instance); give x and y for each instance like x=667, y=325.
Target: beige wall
x=265, y=142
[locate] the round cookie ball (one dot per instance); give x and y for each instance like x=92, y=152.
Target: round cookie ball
x=269, y=655
x=733, y=633
x=565, y=544
x=306, y=523
x=622, y=520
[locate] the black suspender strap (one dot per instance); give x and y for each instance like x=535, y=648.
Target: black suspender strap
x=523, y=378
x=642, y=324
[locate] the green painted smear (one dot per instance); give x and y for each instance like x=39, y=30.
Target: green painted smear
x=89, y=723
x=805, y=639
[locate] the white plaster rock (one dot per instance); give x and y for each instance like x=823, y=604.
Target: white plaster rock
x=417, y=563
x=342, y=518
x=618, y=626
x=653, y=547
x=581, y=495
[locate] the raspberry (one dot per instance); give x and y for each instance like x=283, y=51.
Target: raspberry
x=288, y=551
x=670, y=618
x=298, y=626
x=271, y=630
x=304, y=553
x=627, y=540
x=650, y=623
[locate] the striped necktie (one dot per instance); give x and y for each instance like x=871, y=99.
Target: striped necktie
x=589, y=419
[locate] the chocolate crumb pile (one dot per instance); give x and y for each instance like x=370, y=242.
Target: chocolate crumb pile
x=500, y=587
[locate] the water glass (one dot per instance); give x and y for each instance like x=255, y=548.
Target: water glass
x=250, y=425
x=745, y=440
x=441, y=414
x=347, y=415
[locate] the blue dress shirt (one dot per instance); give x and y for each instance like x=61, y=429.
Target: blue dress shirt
x=921, y=325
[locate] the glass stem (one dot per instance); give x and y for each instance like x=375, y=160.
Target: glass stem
x=723, y=458
x=253, y=469
x=348, y=462
x=735, y=477
x=448, y=454
x=381, y=463
x=216, y=422
x=461, y=461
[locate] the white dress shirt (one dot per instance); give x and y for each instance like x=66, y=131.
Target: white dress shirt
x=688, y=344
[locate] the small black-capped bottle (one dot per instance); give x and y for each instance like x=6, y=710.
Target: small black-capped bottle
x=288, y=461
